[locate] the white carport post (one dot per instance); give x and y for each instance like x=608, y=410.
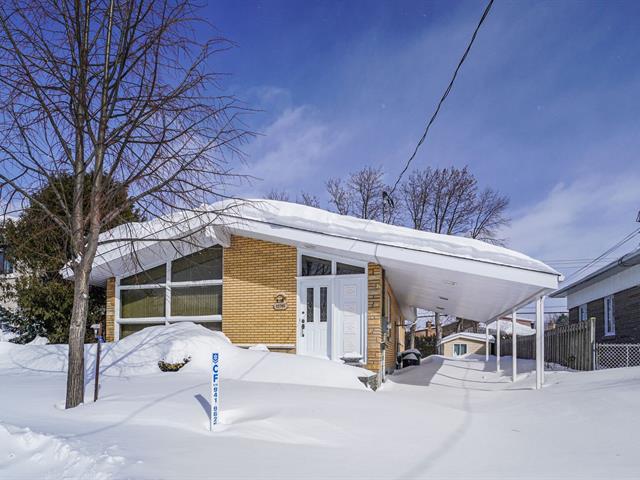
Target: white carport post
x=486, y=342
x=514, y=348
x=539, y=342
x=497, y=345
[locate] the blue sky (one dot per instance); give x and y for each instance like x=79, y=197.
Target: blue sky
x=546, y=109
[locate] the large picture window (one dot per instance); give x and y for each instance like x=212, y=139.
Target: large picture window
x=187, y=288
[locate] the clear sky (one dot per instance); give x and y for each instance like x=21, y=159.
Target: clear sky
x=546, y=109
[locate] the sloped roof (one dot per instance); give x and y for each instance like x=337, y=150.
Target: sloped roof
x=467, y=335
x=425, y=269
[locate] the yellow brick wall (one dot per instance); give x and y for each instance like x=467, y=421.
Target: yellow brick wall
x=111, y=309
x=374, y=317
x=254, y=272
x=395, y=340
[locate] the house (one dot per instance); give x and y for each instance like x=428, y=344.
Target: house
x=304, y=280
x=464, y=343
x=611, y=295
x=8, y=276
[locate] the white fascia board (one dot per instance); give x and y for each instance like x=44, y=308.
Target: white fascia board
x=627, y=278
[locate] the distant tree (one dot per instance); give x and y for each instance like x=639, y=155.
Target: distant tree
x=489, y=216
x=275, y=194
x=365, y=190
x=417, y=197
x=339, y=196
x=308, y=200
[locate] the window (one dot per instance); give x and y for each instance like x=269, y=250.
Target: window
x=188, y=288
x=310, y=304
x=142, y=303
x=459, y=349
x=203, y=265
x=323, y=304
x=346, y=269
x=129, y=328
x=196, y=300
x=582, y=313
x=609, y=316
x=5, y=265
x=312, y=266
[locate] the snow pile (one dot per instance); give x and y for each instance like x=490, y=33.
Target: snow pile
x=38, y=340
x=139, y=354
x=506, y=327
x=26, y=454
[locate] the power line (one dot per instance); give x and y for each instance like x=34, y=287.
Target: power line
x=613, y=248
x=445, y=95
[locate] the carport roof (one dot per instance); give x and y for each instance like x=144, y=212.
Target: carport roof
x=453, y=275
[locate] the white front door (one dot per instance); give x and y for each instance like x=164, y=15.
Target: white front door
x=315, y=316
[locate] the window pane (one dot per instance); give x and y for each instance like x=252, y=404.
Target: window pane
x=346, y=269
x=215, y=326
x=142, y=303
x=203, y=265
x=312, y=266
x=310, y=304
x=323, y=304
x=200, y=300
x=153, y=275
x=128, y=329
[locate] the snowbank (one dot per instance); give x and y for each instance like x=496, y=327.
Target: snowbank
x=27, y=454
x=138, y=354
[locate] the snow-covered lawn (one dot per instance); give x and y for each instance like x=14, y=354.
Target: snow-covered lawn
x=292, y=417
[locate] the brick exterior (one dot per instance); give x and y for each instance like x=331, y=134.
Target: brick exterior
x=254, y=272
x=111, y=310
x=626, y=309
x=374, y=317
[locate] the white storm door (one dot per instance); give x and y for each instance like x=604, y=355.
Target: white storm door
x=350, y=312
x=315, y=316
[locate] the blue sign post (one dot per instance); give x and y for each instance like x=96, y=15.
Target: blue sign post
x=215, y=390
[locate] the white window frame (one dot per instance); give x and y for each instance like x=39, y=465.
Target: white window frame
x=582, y=312
x=466, y=349
x=609, y=316
x=167, y=318
x=334, y=261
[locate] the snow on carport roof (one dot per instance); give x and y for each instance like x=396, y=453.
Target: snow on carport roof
x=454, y=275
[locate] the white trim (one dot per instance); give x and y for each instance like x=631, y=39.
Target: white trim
x=609, y=316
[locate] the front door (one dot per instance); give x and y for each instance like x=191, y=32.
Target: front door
x=350, y=316
x=315, y=316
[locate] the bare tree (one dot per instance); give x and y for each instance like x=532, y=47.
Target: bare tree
x=489, y=216
x=308, y=200
x=339, y=196
x=275, y=194
x=366, y=188
x=109, y=91
x=453, y=202
x=417, y=196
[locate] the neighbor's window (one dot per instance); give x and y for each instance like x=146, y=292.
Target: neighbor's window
x=459, y=349
x=312, y=266
x=142, y=303
x=609, y=316
x=203, y=265
x=582, y=313
x=5, y=265
x=346, y=269
x=196, y=300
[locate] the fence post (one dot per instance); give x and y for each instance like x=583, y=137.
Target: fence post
x=592, y=335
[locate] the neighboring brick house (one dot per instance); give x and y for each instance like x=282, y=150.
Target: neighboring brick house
x=302, y=280
x=611, y=295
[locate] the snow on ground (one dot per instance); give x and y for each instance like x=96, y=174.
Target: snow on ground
x=283, y=418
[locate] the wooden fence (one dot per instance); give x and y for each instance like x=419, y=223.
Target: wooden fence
x=569, y=345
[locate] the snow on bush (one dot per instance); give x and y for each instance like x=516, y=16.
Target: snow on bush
x=139, y=354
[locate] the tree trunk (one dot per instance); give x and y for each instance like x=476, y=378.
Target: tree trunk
x=438, y=334
x=412, y=336
x=75, y=372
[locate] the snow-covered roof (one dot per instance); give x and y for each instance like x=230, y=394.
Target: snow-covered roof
x=450, y=274
x=506, y=327
x=467, y=336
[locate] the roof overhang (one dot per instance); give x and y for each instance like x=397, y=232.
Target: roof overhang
x=471, y=288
